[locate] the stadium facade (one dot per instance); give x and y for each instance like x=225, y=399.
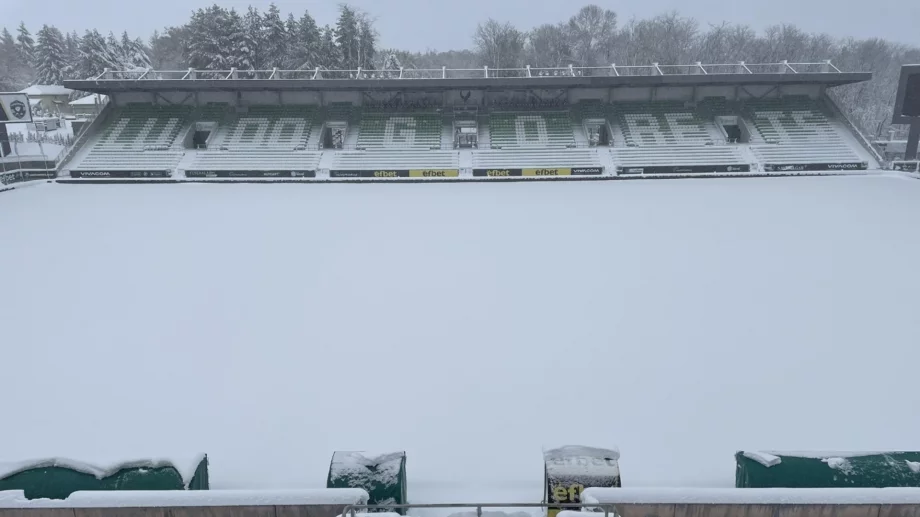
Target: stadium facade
x=485, y=124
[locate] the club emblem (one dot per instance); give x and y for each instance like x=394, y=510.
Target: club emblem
x=18, y=109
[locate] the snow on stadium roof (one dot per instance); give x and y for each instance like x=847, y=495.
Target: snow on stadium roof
x=697, y=74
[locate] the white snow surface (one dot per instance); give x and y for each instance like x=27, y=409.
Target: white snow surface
x=579, y=461
x=386, y=465
x=173, y=498
x=751, y=495
x=467, y=324
x=185, y=466
x=765, y=459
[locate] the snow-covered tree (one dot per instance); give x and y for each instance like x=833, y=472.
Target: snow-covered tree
x=305, y=48
x=131, y=53
x=25, y=44
x=329, y=57
x=346, y=37
x=94, y=56
x=275, y=38
x=208, y=45
x=251, y=44
x=50, y=56
x=10, y=64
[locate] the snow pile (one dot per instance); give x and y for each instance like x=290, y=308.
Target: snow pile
x=600, y=496
x=578, y=461
x=914, y=466
x=764, y=458
x=840, y=464
x=369, y=467
x=259, y=322
x=186, y=467
x=174, y=498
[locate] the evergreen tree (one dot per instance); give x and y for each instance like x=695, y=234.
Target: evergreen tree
x=304, y=52
x=208, y=45
x=50, y=56
x=346, y=37
x=131, y=54
x=275, y=37
x=252, y=45
x=9, y=62
x=25, y=45
x=241, y=54
x=94, y=56
x=328, y=51
x=367, y=42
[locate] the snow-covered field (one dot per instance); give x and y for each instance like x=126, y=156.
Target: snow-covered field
x=468, y=324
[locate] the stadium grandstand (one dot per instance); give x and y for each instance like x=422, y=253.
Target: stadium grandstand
x=607, y=122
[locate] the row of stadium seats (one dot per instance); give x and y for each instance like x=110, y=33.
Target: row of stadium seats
x=787, y=130
x=141, y=137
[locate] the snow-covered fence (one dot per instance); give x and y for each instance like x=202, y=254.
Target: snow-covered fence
x=613, y=70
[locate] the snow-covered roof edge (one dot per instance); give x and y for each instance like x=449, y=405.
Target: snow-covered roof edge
x=369, y=458
x=46, y=89
x=820, y=455
x=185, y=466
x=90, y=100
x=601, y=496
x=175, y=498
x=575, y=451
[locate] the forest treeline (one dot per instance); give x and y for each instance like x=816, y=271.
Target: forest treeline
x=219, y=38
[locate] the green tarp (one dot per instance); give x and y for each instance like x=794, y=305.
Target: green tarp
x=827, y=470
x=383, y=476
x=58, y=478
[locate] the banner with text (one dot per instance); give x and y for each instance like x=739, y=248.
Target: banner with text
x=396, y=173
x=684, y=169
x=563, y=171
x=120, y=174
x=798, y=167
x=250, y=174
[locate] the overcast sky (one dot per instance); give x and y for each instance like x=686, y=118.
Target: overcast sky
x=449, y=24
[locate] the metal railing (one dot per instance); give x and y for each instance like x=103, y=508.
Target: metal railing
x=613, y=70
x=353, y=509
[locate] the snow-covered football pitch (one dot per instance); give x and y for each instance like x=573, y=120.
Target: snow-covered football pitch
x=468, y=324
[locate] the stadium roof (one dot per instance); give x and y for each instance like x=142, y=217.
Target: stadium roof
x=698, y=74
x=46, y=89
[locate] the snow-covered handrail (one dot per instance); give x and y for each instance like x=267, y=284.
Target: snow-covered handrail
x=613, y=70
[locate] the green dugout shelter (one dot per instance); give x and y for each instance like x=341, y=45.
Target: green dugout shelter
x=827, y=469
x=383, y=476
x=57, y=478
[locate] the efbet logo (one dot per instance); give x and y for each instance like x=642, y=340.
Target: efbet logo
x=18, y=109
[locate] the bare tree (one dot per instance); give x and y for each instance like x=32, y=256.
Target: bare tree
x=591, y=35
x=548, y=46
x=500, y=45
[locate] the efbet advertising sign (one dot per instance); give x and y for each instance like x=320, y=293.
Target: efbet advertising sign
x=14, y=108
